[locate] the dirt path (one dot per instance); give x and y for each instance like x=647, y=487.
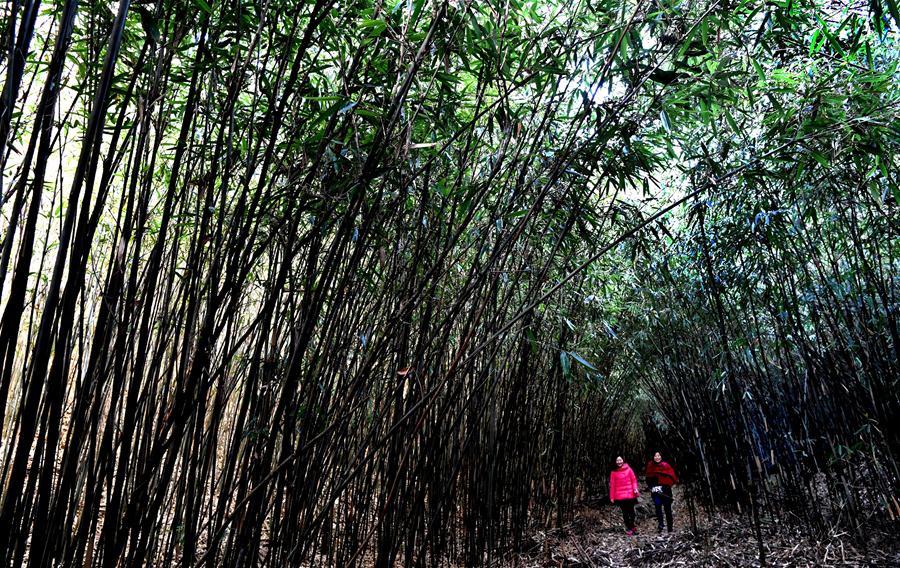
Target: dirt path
x=596, y=537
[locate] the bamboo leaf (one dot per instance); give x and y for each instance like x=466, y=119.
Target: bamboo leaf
x=581, y=360
x=203, y=5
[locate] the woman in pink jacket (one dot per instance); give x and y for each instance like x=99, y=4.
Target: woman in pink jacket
x=623, y=491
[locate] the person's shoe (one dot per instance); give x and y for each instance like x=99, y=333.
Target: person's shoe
x=629, y=532
x=659, y=529
x=670, y=530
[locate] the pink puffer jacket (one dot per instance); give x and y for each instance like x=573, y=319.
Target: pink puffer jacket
x=622, y=484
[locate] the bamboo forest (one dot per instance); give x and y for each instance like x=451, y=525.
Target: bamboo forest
x=427, y=283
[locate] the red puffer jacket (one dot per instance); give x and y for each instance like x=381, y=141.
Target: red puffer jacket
x=622, y=484
x=661, y=472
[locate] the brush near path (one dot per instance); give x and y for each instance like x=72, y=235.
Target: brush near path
x=596, y=537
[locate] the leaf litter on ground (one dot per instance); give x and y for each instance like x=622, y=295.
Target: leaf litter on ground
x=596, y=537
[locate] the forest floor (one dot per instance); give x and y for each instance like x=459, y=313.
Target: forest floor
x=596, y=537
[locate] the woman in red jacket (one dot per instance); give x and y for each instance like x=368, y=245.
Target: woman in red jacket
x=623, y=491
x=661, y=477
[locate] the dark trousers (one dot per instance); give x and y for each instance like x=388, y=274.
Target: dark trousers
x=663, y=502
x=627, y=506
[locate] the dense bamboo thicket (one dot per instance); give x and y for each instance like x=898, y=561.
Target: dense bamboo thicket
x=790, y=279
x=348, y=282
x=766, y=338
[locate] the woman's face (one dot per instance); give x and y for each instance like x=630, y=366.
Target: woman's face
x=619, y=461
x=657, y=457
